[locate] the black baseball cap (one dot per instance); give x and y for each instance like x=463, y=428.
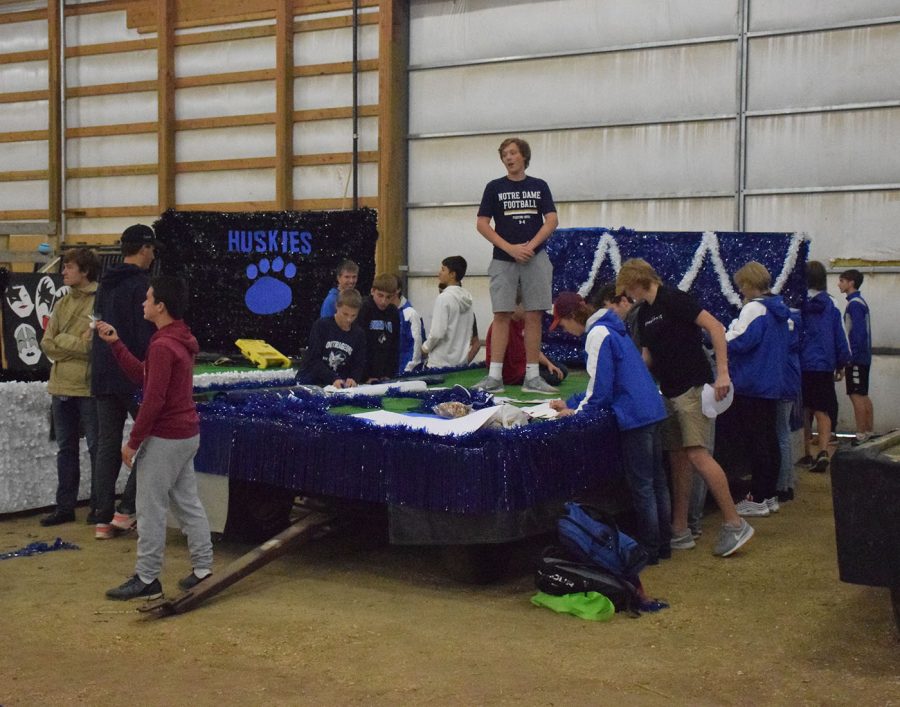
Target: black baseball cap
x=140, y=233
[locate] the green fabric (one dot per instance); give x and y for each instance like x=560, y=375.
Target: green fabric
x=590, y=606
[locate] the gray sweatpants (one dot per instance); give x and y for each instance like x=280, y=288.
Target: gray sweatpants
x=165, y=476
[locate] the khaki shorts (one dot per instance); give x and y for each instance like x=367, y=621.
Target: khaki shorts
x=686, y=425
x=535, y=278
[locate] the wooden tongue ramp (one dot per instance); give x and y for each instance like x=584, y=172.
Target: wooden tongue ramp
x=297, y=534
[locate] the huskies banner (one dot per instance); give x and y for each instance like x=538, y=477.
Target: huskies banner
x=262, y=275
x=28, y=300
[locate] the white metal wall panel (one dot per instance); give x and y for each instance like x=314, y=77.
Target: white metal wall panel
x=76, y=227
x=651, y=214
x=797, y=14
x=111, y=110
x=438, y=229
x=105, y=68
x=652, y=160
x=111, y=150
x=842, y=225
x=824, y=68
x=650, y=84
x=225, y=57
x=334, y=181
x=23, y=155
x=111, y=191
x=23, y=36
x=318, y=136
x=27, y=115
x=225, y=143
x=227, y=99
x=224, y=186
x=23, y=76
x=100, y=27
x=24, y=195
x=334, y=90
x=452, y=31
x=824, y=149
x=334, y=45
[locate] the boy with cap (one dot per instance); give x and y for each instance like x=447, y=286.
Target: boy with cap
x=119, y=302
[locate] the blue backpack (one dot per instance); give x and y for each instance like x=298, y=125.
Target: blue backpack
x=593, y=537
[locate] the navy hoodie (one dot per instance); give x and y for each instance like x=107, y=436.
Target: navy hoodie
x=759, y=348
x=119, y=301
x=823, y=345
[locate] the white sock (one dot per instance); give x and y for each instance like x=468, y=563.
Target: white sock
x=202, y=573
x=496, y=371
x=532, y=370
x=145, y=580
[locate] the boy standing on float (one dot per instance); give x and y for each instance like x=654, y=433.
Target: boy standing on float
x=524, y=216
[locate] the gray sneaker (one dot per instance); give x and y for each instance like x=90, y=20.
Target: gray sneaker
x=731, y=538
x=489, y=384
x=683, y=540
x=538, y=385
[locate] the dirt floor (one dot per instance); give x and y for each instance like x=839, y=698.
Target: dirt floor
x=333, y=623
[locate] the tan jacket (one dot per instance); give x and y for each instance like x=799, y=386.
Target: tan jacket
x=67, y=346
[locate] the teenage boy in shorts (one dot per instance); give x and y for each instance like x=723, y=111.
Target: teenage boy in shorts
x=524, y=215
x=669, y=326
x=859, y=334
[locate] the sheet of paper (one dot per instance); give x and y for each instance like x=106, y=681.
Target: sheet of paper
x=433, y=425
x=541, y=410
x=379, y=388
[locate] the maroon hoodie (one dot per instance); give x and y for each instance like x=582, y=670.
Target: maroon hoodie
x=168, y=409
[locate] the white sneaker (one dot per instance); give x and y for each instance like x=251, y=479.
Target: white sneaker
x=750, y=508
x=773, y=504
x=538, y=385
x=489, y=384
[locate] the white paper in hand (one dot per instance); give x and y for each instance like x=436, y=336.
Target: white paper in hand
x=712, y=407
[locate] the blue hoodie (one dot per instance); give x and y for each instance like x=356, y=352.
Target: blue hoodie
x=859, y=329
x=759, y=348
x=823, y=346
x=618, y=377
x=791, y=384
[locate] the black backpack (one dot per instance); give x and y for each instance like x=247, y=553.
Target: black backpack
x=557, y=574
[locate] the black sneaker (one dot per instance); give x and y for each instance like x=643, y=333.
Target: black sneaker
x=58, y=518
x=134, y=588
x=785, y=495
x=821, y=465
x=191, y=581
x=806, y=461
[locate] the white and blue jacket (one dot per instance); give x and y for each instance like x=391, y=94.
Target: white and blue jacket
x=823, y=345
x=412, y=334
x=759, y=348
x=618, y=377
x=859, y=329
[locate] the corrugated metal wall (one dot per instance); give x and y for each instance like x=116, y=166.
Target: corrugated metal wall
x=677, y=114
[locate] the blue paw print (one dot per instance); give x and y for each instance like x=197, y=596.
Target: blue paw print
x=269, y=295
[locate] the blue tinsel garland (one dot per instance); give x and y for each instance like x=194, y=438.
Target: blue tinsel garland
x=38, y=548
x=293, y=442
